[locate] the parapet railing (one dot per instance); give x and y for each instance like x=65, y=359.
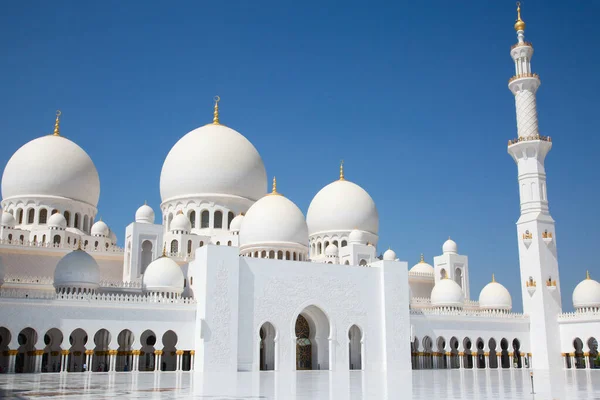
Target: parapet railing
x=152, y=298
x=48, y=280
x=70, y=246
x=581, y=314
x=450, y=311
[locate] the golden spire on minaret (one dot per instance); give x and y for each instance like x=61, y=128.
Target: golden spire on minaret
x=519, y=24
x=274, y=192
x=57, y=124
x=342, y=171
x=216, y=112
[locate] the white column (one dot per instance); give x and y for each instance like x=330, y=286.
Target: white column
x=587, y=360
x=193, y=356
x=499, y=358
x=38, y=360
x=461, y=358
x=12, y=357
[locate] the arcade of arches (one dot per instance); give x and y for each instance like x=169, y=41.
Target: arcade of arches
x=427, y=354
x=583, y=357
x=127, y=353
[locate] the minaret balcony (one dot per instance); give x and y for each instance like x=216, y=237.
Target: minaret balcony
x=551, y=284
x=528, y=138
x=531, y=286
x=524, y=75
x=524, y=81
x=521, y=44
x=527, y=238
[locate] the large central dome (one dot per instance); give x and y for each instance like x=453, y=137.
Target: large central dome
x=213, y=160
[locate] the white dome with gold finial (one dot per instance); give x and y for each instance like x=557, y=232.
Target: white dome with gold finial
x=494, y=296
x=213, y=161
x=587, y=293
x=51, y=166
x=422, y=267
x=275, y=223
x=343, y=206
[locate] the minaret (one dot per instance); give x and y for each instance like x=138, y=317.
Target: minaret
x=535, y=228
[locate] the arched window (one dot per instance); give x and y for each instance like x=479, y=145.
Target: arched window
x=294, y=256
x=96, y=244
x=43, y=239
x=30, y=215
x=84, y=243
x=191, y=280
x=256, y=254
x=56, y=239
x=263, y=254
x=146, y=255
x=458, y=276
x=346, y=262
x=54, y=211
x=319, y=248
x=229, y=243
x=201, y=243
x=443, y=274
x=67, y=216
x=280, y=255
x=10, y=236
x=68, y=239
x=218, y=219
x=43, y=216
x=362, y=263
x=85, y=223
x=218, y=243
x=271, y=254
x=287, y=255
x=189, y=249
x=34, y=239
x=192, y=217
x=335, y=242
x=204, y=219
x=230, y=218
x=174, y=246
x=344, y=243
x=20, y=216
x=21, y=239
x=76, y=223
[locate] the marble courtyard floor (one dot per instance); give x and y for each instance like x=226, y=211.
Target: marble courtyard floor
x=424, y=384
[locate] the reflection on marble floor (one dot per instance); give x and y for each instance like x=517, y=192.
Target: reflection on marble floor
x=450, y=384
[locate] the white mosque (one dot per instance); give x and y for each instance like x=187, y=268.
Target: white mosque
x=232, y=278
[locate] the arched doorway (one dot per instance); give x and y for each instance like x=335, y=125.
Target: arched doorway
x=480, y=353
x=25, y=361
x=504, y=358
x=312, y=339
x=579, y=358
x=427, y=353
x=147, y=357
x=467, y=355
x=454, y=360
x=5, y=337
x=77, y=356
x=493, y=357
x=168, y=360
x=354, y=348
x=414, y=354
x=124, y=355
x=267, y=347
x=593, y=346
x=51, y=360
x=441, y=348
x=516, y=359
x=100, y=362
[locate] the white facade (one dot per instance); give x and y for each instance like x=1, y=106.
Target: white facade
x=234, y=279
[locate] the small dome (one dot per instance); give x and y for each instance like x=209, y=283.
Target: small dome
x=51, y=166
x=276, y=221
x=8, y=221
x=181, y=223
x=163, y=275
x=389, y=255
x=100, y=229
x=77, y=269
x=450, y=246
x=422, y=267
x=342, y=206
x=587, y=294
x=236, y=223
x=144, y=214
x=331, y=250
x=447, y=293
x=495, y=296
x=357, y=237
x=57, y=220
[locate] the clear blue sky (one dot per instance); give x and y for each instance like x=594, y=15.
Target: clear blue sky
x=412, y=95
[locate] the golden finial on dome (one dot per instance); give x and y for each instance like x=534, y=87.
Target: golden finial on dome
x=216, y=113
x=164, y=249
x=57, y=124
x=587, y=275
x=179, y=212
x=493, y=278
x=274, y=191
x=422, y=259
x=520, y=24
x=145, y=202
x=342, y=171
